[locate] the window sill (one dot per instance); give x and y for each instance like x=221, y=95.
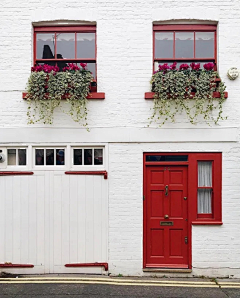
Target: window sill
x=206, y=222
x=92, y=95
x=150, y=95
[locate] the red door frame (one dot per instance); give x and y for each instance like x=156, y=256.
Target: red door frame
x=145, y=164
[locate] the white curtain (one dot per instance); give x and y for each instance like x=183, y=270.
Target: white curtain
x=205, y=180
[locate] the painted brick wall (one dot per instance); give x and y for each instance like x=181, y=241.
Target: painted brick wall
x=124, y=59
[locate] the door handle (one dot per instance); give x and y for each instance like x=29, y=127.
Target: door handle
x=166, y=190
x=166, y=216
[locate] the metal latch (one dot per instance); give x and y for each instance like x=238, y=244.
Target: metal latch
x=186, y=240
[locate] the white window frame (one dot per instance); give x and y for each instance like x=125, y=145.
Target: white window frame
x=88, y=167
x=45, y=167
x=16, y=167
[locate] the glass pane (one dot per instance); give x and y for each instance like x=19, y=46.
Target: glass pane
x=204, y=44
x=22, y=154
x=204, y=201
x=77, y=156
x=184, y=45
x=39, y=157
x=164, y=44
x=98, y=156
x=49, y=157
x=45, y=45
x=11, y=157
x=204, y=173
x=166, y=157
x=60, y=157
x=88, y=156
x=65, y=45
x=85, y=45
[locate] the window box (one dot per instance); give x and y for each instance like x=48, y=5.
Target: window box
x=91, y=95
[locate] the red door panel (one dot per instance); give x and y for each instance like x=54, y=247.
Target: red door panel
x=166, y=217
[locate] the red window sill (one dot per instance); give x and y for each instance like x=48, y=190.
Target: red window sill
x=207, y=222
x=104, y=173
x=92, y=95
x=150, y=95
x=15, y=173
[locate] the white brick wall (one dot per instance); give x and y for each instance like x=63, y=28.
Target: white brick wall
x=124, y=59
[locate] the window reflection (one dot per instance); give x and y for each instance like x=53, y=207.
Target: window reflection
x=60, y=157
x=49, y=157
x=98, y=156
x=88, y=156
x=22, y=160
x=77, y=156
x=39, y=157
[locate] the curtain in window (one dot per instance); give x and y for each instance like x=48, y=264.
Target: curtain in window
x=205, y=180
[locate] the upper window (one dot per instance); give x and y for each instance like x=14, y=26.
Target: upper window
x=184, y=44
x=58, y=46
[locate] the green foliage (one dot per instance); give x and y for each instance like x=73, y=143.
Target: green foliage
x=46, y=90
x=173, y=90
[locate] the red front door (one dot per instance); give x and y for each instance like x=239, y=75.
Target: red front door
x=166, y=222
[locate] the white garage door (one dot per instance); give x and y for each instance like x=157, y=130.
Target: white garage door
x=51, y=219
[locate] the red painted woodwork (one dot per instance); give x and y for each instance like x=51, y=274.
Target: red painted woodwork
x=104, y=173
x=92, y=95
x=15, y=173
x=82, y=28
x=10, y=265
x=150, y=95
x=105, y=265
x=154, y=204
x=185, y=28
x=165, y=245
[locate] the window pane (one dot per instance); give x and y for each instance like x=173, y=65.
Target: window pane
x=164, y=44
x=49, y=157
x=60, y=157
x=204, y=173
x=11, y=157
x=88, y=156
x=77, y=156
x=98, y=156
x=39, y=157
x=85, y=45
x=204, y=44
x=204, y=201
x=65, y=45
x=22, y=160
x=166, y=157
x=45, y=45
x=184, y=45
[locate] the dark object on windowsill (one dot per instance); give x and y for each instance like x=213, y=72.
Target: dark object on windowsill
x=93, y=86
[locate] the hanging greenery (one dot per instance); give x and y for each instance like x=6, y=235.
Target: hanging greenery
x=188, y=89
x=47, y=86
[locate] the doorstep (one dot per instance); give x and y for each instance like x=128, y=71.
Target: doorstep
x=167, y=270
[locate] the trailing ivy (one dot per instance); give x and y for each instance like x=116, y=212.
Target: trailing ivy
x=189, y=90
x=47, y=86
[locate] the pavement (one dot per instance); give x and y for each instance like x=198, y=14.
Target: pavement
x=81, y=286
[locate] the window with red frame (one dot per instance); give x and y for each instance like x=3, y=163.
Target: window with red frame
x=58, y=46
x=184, y=44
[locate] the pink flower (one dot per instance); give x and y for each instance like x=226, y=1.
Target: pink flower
x=195, y=66
x=163, y=67
x=209, y=66
x=183, y=67
x=173, y=66
x=83, y=65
